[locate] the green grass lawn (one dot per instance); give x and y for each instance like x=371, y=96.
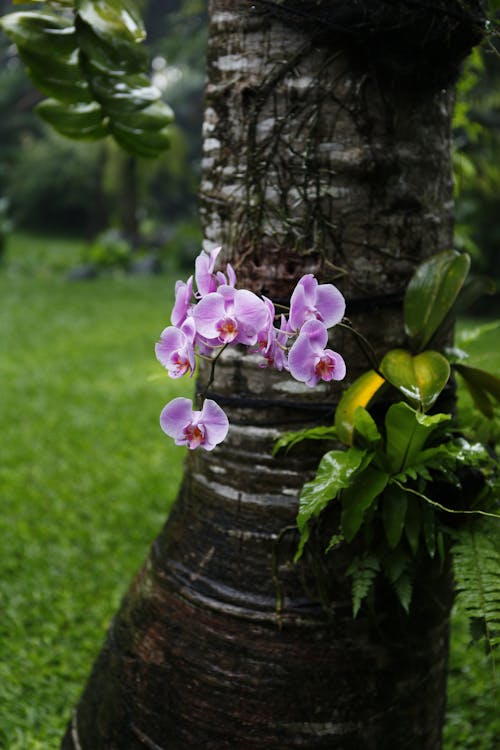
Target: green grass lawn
x=86, y=475
x=87, y=478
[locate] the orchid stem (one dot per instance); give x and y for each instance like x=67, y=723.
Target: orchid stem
x=203, y=395
x=364, y=345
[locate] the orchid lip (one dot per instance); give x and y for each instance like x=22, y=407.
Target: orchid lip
x=227, y=328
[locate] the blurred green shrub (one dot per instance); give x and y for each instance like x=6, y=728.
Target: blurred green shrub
x=54, y=185
x=5, y=223
x=109, y=250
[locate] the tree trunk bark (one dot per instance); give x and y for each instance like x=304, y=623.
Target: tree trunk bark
x=222, y=642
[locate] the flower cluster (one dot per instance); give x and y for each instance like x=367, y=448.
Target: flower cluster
x=216, y=314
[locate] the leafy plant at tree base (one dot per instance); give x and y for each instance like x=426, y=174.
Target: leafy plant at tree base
x=85, y=56
x=413, y=485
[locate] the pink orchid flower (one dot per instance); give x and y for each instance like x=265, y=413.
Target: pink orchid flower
x=230, y=316
x=183, y=303
x=207, y=281
x=206, y=428
x=313, y=301
x=309, y=361
x=274, y=347
x=175, y=349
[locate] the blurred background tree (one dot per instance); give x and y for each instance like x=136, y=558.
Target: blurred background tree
x=53, y=184
x=50, y=183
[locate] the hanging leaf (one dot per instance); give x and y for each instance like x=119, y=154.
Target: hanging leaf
x=431, y=294
x=420, y=378
x=77, y=121
x=394, y=504
x=480, y=384
x=360, y=393
x=366, y=431
x=334, y=473
x=362, y=491
x=413, y=523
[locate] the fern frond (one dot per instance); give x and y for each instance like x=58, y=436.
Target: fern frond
x=476, y=567
x=363, y=571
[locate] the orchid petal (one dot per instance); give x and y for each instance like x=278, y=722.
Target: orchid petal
x=175, y=417
x=301, y=361
x=330, y=304
x=215, y=422
x=207, y=313
x=183, y=294
x=316, y=334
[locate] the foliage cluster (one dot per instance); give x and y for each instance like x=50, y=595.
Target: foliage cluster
x=413, y=485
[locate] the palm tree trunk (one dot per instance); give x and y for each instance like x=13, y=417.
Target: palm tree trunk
x=222, y=642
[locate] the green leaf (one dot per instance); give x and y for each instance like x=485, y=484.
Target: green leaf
x=394, y=503
x=40, y=33
x=366, y=431
x=117, y=22
x=58, y=77
x=432, y=292
x=480, y=384
x=362, y=491
x=363, y=571
x=335, y=471
x=77, y=121
x=289, y=439
x=420, y=378
x=406, y=433
x=360, y=393
x=108, y=59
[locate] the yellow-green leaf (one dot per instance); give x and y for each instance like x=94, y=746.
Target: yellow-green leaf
x=360, y=393
x=420, y=378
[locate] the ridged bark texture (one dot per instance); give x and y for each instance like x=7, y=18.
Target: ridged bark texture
x=222, y=641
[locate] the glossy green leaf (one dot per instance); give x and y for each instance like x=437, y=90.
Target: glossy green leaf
x=432, y=292
x=108, y=59
x=117, y=22
x=394, y=503
x=334, y=473
x=60, y=78
x=144, y=143
x=80, y=121
x=407, y=430
x=420, y=378
x=360, y=393
x=366, y=431
x=41, y=33
x=362, y=491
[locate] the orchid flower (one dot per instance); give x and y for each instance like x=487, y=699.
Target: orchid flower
x=275, y=352
x=183, y=304
x=230, y=316
x=206, y=280
x=206, y=428
x=313, y=301
x=309, y=361
x=175, y=349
